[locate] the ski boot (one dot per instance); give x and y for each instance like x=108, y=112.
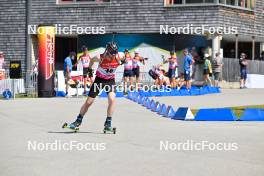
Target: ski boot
x=73, y=126
x=108, y=127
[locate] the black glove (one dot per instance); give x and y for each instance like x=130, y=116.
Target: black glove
x=90, y=72
x=122, y=62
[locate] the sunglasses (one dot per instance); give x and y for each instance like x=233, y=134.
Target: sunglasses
x=113, y=52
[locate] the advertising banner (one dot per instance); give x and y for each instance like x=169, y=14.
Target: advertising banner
x=46, y=39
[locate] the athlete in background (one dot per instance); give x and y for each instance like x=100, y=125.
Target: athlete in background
x=173, y=68
x=128, y=69
x=87, y=72
x=137, y=62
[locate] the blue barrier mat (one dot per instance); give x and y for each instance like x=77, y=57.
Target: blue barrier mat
x=221, y=114
x=251, y=114
x=180, y=114
x=163, y=110
x=170, y=112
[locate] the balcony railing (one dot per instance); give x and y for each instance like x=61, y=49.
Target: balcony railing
x=65, y=2
x=241, y=4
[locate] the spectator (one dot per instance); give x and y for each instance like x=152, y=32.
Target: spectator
x=180, y=81
x=197, y=60
x=2, y=64
x=169, y=2
x=2, y=60
x=243, y=70
x=262, y=56
x=188, y=61
x=217, y=68
x=158, y=73
x=67, y=67
x=173, y=68
x=201, y=54
x=207, y=70
x=232, y=53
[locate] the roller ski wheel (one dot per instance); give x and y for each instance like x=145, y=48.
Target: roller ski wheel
x=109, y=130
x=65, y=125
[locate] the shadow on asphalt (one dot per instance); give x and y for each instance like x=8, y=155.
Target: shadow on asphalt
x=72, y=132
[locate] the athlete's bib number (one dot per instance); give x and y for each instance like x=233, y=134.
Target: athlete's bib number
x=109, y=70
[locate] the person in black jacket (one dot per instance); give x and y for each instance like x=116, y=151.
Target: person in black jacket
x=243, y=70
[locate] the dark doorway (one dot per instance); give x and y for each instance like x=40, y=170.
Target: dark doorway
x=63, y=46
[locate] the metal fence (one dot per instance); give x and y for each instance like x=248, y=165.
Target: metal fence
x=31, y=84
x=231, y=69
x=28, y=84
x=144, y=78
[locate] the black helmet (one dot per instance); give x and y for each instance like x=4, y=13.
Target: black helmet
x=112, y=48
x=72, y=53
x=84, y=48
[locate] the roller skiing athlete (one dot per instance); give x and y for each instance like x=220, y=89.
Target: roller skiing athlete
x=105, y=79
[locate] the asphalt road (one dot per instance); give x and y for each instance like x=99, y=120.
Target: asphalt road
x=145, y=144
x=228, y=98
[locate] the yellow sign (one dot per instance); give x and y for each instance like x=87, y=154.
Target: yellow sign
x=14, y=65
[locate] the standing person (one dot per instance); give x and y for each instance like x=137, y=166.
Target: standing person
x=137, y=60
x=188, y=61
x=243, y=70
x=173, y=68
x=262, y=56
x=2, y=66
x=87, y=72
x=67, y=67
x=2, y=60
x=128, y=69
x=217, y=67
x=197, y=61
x=105, y=79
x=207, y=70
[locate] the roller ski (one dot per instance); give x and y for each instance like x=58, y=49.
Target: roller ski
x=109, y=130
x=73, y=126
x=107, y=126
x=66, y=125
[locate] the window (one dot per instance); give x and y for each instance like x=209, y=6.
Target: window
x=250, y=4
x=245, y=4
x=231, y=2
x=187, y=2
x=82, y=1
x=193, y=1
